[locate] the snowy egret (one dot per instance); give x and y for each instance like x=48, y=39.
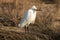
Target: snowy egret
x=28, y=18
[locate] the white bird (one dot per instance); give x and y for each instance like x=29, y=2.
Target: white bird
x=28, y=18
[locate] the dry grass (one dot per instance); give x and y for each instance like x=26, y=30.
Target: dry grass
x=46, y=26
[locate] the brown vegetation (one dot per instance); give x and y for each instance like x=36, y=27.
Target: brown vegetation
x=46, y=27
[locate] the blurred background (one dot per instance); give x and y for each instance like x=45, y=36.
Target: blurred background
x=47, y=24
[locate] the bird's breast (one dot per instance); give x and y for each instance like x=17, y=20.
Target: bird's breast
x=32, y=16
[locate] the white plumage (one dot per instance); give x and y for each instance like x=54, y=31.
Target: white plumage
x=28, y=18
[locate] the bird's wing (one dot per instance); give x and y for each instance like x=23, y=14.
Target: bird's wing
x=24, y=18
x=27, y=17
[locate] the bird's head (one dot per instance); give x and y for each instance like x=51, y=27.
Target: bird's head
x=34, y=7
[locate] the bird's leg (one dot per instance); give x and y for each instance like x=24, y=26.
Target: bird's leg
x=25, y=29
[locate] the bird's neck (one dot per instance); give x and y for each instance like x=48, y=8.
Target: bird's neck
x=34, y=11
